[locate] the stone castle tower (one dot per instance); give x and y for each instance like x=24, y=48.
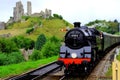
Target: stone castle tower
x=18, y=11
x=47, y=13
x=29, y=8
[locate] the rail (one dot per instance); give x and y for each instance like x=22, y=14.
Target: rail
x=37, y=73
x=102, y=67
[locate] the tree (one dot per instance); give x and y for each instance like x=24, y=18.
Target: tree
x=41, y=40
x=7, y=46
x=23, y=42
x=36, y=55
x=116, y=21
x=51, y=47
x=57, y=16
x=28, y=31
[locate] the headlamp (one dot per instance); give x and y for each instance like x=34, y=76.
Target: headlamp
x=74, y=55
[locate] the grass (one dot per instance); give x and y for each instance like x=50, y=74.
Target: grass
x=49, y=27
x=16, y=69
x=118, y=57
x=13, y=32
x=109, y=72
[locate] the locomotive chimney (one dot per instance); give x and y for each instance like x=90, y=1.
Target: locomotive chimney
x=77, y=24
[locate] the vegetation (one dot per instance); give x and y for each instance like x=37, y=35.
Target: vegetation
x=51, y=47
x=48, y=27
x=105, y=26
x=41, y=40
x=9, y=49
x=7, y=46
x=11, y=58
x=109, y=72
x=28, y=31
x=36, y=55
x=45, y=45
x=57, y=16
x=118, y=57
x=25, y=17
x=23, y=42
x=16, y=69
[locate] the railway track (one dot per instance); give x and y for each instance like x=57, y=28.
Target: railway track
x=100, y=70
x=98, y=73
x=41, y=73
x=37, y=74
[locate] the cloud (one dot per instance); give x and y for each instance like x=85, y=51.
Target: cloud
x=71, y=10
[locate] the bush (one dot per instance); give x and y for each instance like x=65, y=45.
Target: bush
x=51, y=47
x=36, y=55
x=118, y=57
x=28, y=43
x=3, y=59
x=25, y=17
x=23, y=42
x=40, y=23
x=41, y=40
x=28, y=31
x=7, y=46
x=11, y=58
x=54, y=39
x=57, y=16
x=15, y=57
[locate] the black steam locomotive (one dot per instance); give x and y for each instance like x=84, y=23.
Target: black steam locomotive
x=83, y=46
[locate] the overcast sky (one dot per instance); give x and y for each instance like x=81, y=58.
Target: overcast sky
x=71, y=10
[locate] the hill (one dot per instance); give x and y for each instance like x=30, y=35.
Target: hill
x=49, y=27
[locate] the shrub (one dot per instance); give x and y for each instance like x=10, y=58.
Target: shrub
x=40, y=23
x=118, y=57
x=54, y=39
x=28, y=44
x=15, y=57
x=57, y=16
x=3, y=59
x=28, y=31
x=41, y=40
x=51, y=47
x=11, y=58
x=23, y=42
x=36, y=55
x=7, y=46
x=25, y=17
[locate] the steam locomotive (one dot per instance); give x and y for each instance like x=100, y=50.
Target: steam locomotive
x=83, y=47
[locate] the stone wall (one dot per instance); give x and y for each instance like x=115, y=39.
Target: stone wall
x=44, y=14
x=5, y=35
x=2, y=25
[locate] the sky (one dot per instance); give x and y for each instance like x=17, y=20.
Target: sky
x=83, y=11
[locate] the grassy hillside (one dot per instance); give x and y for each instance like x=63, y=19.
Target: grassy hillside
x=49, y=27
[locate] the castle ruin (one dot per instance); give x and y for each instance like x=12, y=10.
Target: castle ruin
x=18, y=11
x=43, y=14
x=2, y=25
x=29, y=8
